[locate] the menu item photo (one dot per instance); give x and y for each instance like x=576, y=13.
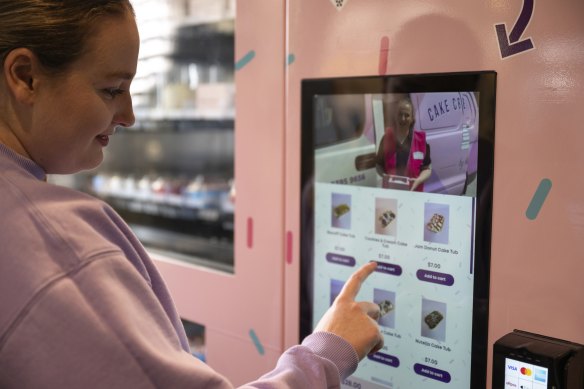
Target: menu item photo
x=436, y=223
x=340, y=210
x=385, y=307
x=386, y=218
x=433, y=319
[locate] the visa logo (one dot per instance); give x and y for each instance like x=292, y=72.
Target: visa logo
x=511, y=367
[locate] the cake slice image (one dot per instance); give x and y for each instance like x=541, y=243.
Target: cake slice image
x=433, y=319
x=385, y=307
x=386, y=218
x=436, y=223
x=340, y=210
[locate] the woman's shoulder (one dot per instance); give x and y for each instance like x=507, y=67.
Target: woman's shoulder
x=80, y=221
x=71, y=226
x=419, y=135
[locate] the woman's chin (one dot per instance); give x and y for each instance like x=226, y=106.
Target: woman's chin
x=86, y=164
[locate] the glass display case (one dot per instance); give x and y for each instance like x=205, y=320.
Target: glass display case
x=171, y=175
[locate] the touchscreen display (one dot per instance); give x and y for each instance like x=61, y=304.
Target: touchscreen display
x=395, y=176
x=521, y=375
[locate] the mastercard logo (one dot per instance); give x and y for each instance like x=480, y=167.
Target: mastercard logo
x=525, y=371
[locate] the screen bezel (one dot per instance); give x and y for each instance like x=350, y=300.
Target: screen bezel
x=483, y=82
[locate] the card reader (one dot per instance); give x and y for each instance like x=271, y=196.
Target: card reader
x=523, y=360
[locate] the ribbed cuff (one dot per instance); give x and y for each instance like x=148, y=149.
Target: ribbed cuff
x=334, y=348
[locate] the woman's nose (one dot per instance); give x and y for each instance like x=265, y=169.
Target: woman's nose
x=125, y=116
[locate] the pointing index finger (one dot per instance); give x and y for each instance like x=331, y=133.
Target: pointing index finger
x=353, y=285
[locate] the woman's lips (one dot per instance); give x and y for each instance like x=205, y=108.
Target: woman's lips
x=103, y=140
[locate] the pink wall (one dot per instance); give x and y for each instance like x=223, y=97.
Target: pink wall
x=536, y=264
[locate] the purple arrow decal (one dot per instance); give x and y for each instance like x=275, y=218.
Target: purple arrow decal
x=510, y=44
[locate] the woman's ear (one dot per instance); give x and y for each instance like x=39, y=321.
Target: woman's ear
x=19, y=73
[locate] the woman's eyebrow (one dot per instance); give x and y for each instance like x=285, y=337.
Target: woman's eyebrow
x=121, y=74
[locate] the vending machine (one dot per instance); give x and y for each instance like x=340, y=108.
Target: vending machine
x=253, y=176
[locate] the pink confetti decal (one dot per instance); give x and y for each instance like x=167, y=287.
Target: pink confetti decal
x=383, y=55
x=249, y=232
x=289, y=240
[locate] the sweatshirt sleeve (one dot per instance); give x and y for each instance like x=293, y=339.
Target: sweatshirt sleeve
x=101, y=326
x=321, y=361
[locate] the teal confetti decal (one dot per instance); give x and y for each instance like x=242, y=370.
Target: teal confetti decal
x=538, y=199
x=291, y=59
x=245, y=60
x=256, y=342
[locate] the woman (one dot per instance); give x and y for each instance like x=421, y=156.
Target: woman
x=81, y=303
x=403, y=152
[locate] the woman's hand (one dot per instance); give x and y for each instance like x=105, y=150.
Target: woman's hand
x=356, y=322
x=424, y=175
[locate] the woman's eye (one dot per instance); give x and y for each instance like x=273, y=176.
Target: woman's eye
x=113, y=92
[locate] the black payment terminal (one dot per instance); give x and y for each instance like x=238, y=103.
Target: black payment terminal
x=523, y=360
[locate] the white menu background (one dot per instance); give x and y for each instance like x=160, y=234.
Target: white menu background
x=423, y=272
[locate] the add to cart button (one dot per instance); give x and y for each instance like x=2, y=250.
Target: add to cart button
x=388, y=268
x=435, y=277
x=340, y=259
x=386, y=359
x=430, y=372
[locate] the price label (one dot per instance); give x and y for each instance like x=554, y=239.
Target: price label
x=431, y=361
x=384, y=256
x=433, y=265
x=351, y=384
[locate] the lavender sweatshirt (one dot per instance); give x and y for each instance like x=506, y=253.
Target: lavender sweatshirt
x=83, y=306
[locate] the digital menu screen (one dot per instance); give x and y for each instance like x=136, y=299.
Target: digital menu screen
x=398, y=170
